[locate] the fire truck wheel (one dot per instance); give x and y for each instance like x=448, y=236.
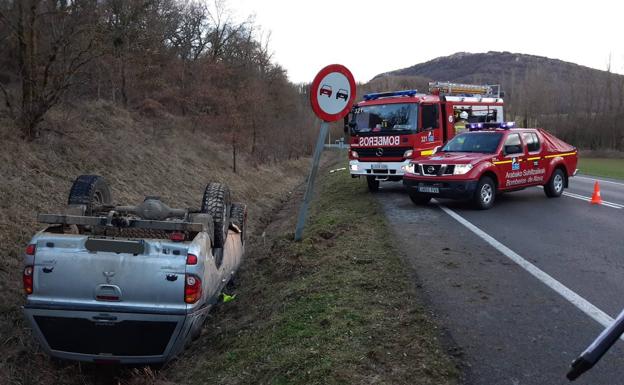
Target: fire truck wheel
x=216, y=202
x=418, y=198
x=373, y=184
x=485, y=194
x=554, y=187
x=91, y=191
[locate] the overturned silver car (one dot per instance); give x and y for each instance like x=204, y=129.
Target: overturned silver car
x=129, y=284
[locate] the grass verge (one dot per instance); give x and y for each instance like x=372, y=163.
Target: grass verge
x=336, y=308
x=608, y=167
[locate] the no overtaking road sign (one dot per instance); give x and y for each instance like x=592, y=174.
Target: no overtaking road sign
x=331, y=94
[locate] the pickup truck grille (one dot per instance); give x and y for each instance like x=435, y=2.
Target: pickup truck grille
x=437, y=169
x=125, y=338
x=387, y=152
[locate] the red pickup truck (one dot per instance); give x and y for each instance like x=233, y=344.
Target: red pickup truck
x=488, y=160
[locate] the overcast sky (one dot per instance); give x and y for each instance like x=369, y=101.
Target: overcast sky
x=371, y=37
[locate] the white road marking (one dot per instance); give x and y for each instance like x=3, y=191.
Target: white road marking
x=599, y=180
x=581, y=303
x=587, y=199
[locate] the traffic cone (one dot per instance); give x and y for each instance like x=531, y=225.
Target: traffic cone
x=596, y=199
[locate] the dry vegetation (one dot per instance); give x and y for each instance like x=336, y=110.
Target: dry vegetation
x=191, y=59
x=138, y=156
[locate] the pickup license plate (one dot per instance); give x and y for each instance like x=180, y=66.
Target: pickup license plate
x=428, y=189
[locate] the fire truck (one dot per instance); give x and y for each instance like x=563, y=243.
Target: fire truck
x=389, y=129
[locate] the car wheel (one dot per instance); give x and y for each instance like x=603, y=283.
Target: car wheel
x=91, y=191
x=238, y=217
x=216, y=202
x=485, y=194
x=373, y=184
x=419, y=198
x=554, y=187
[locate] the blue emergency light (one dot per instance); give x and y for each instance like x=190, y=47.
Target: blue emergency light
x=390, y=94
x=490, y=125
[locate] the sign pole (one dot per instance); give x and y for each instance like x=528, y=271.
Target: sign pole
x=331, y=96
x=303, y=212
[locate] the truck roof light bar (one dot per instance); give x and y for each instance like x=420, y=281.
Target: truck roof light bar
x=448, y=88
x=408, y=93
x=490, y=125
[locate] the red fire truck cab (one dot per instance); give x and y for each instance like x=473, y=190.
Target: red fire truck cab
x=389, y=129
x=488, y=160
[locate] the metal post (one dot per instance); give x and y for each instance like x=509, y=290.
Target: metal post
x=303, y=211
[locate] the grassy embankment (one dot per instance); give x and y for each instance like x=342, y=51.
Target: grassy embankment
x=607, y=167
x=336, y=308
x=167, y=156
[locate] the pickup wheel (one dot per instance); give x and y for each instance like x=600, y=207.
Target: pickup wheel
x=554, y=187
x=485, y=193
x=216, y=202
x=373, y=184
x=238, y=217
x=418, y=198
x=91, y=191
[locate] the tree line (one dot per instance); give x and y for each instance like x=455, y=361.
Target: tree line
x=188, y=58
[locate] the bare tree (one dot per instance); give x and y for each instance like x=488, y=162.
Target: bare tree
x=55, y=41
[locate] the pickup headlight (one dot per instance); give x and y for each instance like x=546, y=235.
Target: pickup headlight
x=461, y=169
x=411, y=168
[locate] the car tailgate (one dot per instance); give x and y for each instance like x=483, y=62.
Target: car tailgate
x=86, y=272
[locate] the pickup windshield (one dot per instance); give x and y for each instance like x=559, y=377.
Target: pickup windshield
x=385, y=118
x=484, y=142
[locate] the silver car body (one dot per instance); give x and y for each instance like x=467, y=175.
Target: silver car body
x=125, y=308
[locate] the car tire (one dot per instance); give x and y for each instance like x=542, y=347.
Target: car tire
x=419, y=198
x=555, y=185
x=485, y=194
x=91, y=191
x=373, y=184
x=216, y=202
x=238, y=217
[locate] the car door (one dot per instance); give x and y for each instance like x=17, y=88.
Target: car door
x=535, y=162
x=513, y=164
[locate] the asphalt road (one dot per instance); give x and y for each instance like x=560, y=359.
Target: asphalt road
x=511, y=327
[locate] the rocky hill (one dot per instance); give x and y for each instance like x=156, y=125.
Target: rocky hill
x=582, y=104
x=498, y=67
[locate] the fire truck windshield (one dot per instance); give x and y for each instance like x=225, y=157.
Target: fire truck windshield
x=385, y=118
x=484, y=142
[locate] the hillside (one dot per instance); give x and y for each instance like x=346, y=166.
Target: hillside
x=564, y=97
x=138, y=156
x=496, y=67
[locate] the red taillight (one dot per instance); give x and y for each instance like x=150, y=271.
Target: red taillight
x=191, y=259
x=177, y=236
x=192, y=288
x=27, y=278
x=30, y=249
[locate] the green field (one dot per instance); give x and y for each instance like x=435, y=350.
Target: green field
x=608, y=167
